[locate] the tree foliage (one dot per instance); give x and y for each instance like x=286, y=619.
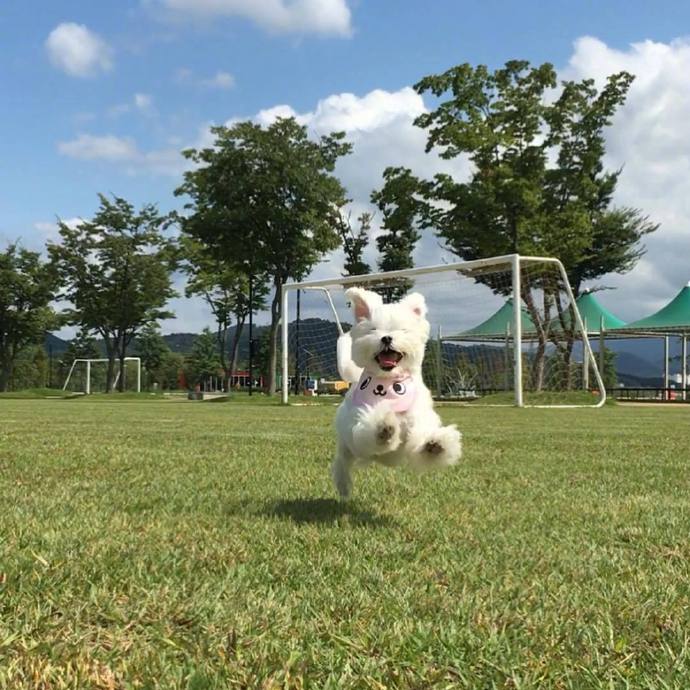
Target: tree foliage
x=354, y=242
x=153, y=351
x=266, y=199
x=204, y=360
x=397, y=200
x=224, y=286
x=538, y=184
x=27, y=287
x=116, y=269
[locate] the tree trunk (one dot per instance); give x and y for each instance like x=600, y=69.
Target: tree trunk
x=568, y=373
x=235, y=346
x=273, y=341
x=121, y=380
x=540, y=324
x=539, y=365
x=110, y=374
x=222, y=338
x=5, y=373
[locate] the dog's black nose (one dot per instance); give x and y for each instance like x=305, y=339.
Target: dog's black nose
x=387, y=340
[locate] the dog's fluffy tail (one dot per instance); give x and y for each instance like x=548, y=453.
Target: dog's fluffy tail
x=347, y=369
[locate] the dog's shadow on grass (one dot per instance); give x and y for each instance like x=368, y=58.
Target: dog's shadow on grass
x=324, y=511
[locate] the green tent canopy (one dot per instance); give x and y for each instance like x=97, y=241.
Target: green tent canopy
x=496, y=326
x=592, y=313
x=673, y=318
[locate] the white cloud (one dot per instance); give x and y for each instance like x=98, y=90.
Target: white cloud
x=648, y=139
x=77, y=51
x=124, y=151
x=107, y=147
x=280, y=16
x=220, y=80
x=49, y=231
x=141, y=103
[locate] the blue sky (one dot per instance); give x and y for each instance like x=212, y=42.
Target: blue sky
x=100, y=96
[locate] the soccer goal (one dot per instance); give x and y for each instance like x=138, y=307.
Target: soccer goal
x=505, y=331
x=90, y=375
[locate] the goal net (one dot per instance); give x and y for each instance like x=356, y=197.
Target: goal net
x=504, y=330
x=91, y=375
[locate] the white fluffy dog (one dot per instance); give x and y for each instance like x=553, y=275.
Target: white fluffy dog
x=387, y=415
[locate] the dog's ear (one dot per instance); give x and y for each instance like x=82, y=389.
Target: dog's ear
x=363, y=302
x=416, y=302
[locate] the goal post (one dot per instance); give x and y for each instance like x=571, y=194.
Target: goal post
x=88, y=373
x=505, y=330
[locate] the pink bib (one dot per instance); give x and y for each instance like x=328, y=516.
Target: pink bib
x=370, y=390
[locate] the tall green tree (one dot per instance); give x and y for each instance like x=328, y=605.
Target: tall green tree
x=27, y=287
x=117, y=272
x=224, y=287
x=204, y=360
x=538, y=183
x=266, y=199
x=30, y=369
x=397, y=200
x=151, y=347
x=354, y=242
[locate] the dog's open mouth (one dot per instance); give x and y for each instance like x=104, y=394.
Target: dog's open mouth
x=388, y=358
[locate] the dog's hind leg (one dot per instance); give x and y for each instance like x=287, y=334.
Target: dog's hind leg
x=440, y=448
x=341, y=471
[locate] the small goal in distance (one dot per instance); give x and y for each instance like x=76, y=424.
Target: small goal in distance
x=505, y=330
x=92, y=378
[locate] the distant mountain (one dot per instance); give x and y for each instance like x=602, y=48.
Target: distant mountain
x=633, y=366
x=639, y=362
x=54, y=344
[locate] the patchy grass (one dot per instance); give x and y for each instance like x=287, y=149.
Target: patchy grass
x=37, y=394
x=151, y=545
x=542, y=398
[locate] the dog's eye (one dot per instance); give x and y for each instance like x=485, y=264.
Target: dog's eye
x=399, y=388
x=365, y=383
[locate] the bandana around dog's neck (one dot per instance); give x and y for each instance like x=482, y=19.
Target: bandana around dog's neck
x=371, y=390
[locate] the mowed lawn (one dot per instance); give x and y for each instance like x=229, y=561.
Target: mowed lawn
x=199, y=545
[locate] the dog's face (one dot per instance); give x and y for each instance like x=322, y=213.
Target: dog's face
x=388, y=339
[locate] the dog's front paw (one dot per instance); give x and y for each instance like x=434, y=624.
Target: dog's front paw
x=388, y=433
x=385, y=433
x=377, y=432
x=442, y=449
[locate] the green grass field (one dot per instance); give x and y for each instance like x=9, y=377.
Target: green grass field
x=192, y=545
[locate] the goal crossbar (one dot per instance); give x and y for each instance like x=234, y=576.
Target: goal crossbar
x=511, y=261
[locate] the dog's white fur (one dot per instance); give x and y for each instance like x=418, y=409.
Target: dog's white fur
x=414, y=438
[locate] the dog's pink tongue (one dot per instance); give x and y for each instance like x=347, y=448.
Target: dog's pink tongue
x=387, y=360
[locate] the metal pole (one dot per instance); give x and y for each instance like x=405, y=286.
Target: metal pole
x=138, y=376
x=506, y=363
x=88, y=377
x=684, y=366
x=585, y=360
x=251, y=333
x=50, y=366
x=602, y=347
x=285, y=324
x=297, y=362
x=69, y=374
x=517, y=329
x=665, y=395
x=439, y=363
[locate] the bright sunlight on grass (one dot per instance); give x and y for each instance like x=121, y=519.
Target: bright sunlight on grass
x=152, y=544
